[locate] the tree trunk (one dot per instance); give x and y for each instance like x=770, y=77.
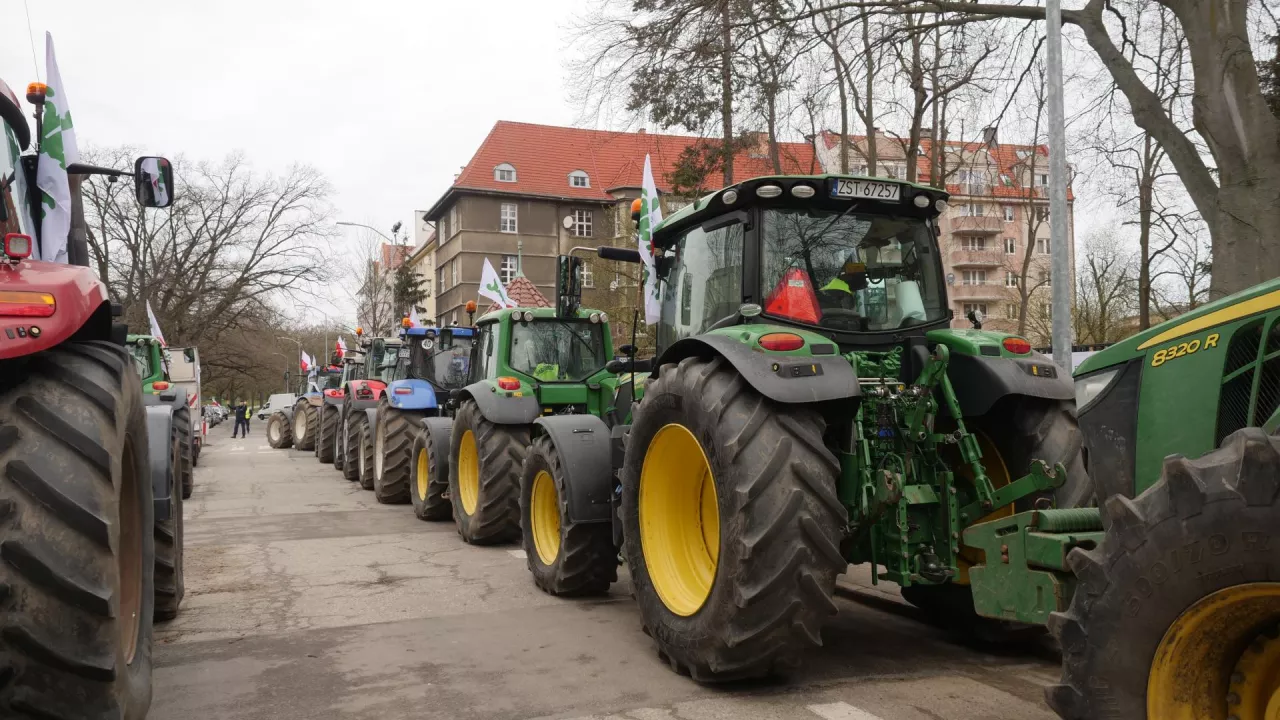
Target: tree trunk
x=841, y=79
x=1145, y=191
x=869, y=101
x=726, y=90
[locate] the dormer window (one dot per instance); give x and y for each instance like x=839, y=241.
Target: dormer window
x=506, y=172
x=578, y=178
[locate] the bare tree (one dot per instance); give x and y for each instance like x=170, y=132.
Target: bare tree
x=374, y=283
x=1106, y=290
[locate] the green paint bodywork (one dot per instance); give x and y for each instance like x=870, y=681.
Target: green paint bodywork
x=148, y=348
x=1181, y=397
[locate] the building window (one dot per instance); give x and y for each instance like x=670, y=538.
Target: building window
x=505, y=172
x=974, y=209
x=1010, y=279
x=859, y=169
x=453, y=272
x=578, y=178
x=1042, y=179
x=508, y=269
x=1042, y=213
x=894, y=171
x=975, y=242
x=582, y=223
x=454, y=224
x=426, y=286
x=455, y=318
x=975, y=307
x=1010, y=246
x=507, y=222
x=1046, y=278
x=975, y=277
x=1008, y=213
x=440, y=280
x=1011, y=311
x=1042, y=246
x=588, y=278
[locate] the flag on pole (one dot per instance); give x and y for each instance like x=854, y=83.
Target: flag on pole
x=491, y=286
x=413, y=317
x=57, y=150
x=155, y=326
x=650, y=216
x=305, y=361
x=342, y=347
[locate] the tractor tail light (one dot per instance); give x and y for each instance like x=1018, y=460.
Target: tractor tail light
x=404, y=391
x=1017, y=345
x=794, y=298
x=364, y=392
x=781, y=342
x=27, y=304
x=160, y=385
x=17, y=246
x=508, y=383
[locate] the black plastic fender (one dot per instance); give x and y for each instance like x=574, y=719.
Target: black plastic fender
x=372, y=414
x=440, y=428
x=498, y=408
x=287, y=412
x=781, y=378
x=584, y=445
x=160, y=455
x=980, y=382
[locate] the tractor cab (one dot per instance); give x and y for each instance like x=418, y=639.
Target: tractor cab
x=151, y=360
x=380, y=361
x=440, y=356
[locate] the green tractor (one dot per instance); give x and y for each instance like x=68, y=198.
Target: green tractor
x=810, y=407
x=1179, y=424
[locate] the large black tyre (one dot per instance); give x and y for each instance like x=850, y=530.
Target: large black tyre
x=170, y=586
x=76, y=536
x=340, y=437
x=364, y=443
x=305, y=424
x=279, y=431
x=566, y=559
x=489, y=473
x=429, y=475
x=1020, y=430
x=1206, y=528
x=187, y=457
x=392, y=446
x=773, y=575
x=351, y=453
x=328, y=433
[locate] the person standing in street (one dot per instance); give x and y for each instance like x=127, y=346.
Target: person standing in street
x=242, y=422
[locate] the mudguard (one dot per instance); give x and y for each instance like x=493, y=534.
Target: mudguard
x=315, y=399
x=584, y=446
x=980, y=382
x=421, y=395
x=287, y=412
x=791, y=379
x=440, y=428
x=372, y=414
x=499, y=408
x=333, y=397
x=160, y=455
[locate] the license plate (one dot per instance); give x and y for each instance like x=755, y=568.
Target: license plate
x=866, y=189
x=403, y=354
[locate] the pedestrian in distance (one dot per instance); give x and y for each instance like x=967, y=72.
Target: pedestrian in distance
x=242, y=420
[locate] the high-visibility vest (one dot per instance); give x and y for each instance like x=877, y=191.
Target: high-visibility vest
x=837, y=284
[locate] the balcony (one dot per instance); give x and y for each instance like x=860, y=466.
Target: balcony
x=971, y=224
x=987, y=291
x=967, y=257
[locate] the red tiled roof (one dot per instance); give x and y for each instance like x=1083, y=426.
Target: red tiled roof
x=544, y=155
x=526, y=295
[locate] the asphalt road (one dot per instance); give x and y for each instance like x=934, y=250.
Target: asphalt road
x=307, y=599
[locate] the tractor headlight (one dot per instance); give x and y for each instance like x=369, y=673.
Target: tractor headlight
x=1091, y=386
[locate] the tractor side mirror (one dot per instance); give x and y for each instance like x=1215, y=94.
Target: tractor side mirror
x=153, y=182
x=975, y=317
x=568, y=285
x=626, y=349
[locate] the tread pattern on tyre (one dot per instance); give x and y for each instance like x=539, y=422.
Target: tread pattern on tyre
x=340, y=438
x=60, y=652
x=364, y=442
x=1206, y=524
x=398, y=426
x=351, y=460
x=187, y=453
x=587, y=563
x=308, y=439
x=285, y=437
x=781, y=525
x=327, y=434
x=501, y=450
x=170, y=585
x=436, y=506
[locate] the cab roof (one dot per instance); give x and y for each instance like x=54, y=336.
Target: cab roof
x=538, y=314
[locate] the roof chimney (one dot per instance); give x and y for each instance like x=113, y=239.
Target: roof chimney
x=989, y=137
x=640, y=131
x=926, y=133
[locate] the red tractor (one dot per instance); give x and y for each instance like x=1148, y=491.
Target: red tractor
x=87, y=501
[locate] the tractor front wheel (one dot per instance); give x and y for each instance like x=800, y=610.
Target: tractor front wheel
x=364, y=458
x=1176, y=614
x=340, y=439
x=569, y=559
x=279, y=431
x=186, y=455
x=351, y=451
x=328, y=433
x=429, y=475
x=170, y=586
x=304, y=426
x=732, y=523
x=484, y=476
x=391, y=453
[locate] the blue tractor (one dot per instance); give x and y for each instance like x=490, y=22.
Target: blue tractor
x=431, y=365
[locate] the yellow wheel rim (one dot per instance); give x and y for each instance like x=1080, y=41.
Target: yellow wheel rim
x=679, y=519
x=544, y=517
x=998, y=474
x=422, y=474
x=468, y=473
x=1220, y=659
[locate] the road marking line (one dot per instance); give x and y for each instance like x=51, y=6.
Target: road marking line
x=840, y=711
x=517, y=554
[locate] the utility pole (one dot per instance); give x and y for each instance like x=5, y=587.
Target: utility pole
x=1061, y=258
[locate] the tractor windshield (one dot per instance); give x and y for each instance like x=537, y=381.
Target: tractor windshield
x=13, y=188
x=557, y=350
x=332, y=380
x=853, y=271
x=141, y=355
x=444, y=361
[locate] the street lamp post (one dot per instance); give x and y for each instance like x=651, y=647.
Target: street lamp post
x=369, y=227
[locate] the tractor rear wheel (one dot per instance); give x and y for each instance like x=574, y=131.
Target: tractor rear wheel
x=328, y=433
x=364, y=461
x=429, y=476
x=76, y=536
x=568, y=559
x=351, y=453
x=170, y=587
x=279, y=431
x=484, y=476
x=304, y=426
x=1186, y=583
x=732, y=523
x=187, y=458
x=391, y=453
x=340, y=439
